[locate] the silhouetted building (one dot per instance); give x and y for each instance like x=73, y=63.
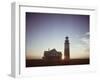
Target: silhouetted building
x=66, y=50
x=52, y=55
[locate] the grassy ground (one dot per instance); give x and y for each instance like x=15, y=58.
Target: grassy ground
x=40, y=62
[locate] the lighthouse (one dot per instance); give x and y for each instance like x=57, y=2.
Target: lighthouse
x=66, y=50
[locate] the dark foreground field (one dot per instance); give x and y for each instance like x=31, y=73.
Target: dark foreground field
x=40, y=62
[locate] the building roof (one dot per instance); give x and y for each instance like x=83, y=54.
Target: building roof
x=52, y=52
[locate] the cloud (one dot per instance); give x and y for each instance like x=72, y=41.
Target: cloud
x=85, y=42
x=87, y=33
x=80, y=48
x=85, y=39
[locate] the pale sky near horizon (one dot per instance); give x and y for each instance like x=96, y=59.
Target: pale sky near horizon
x=45, y=31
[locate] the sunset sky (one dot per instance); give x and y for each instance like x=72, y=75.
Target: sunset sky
x=47, y=31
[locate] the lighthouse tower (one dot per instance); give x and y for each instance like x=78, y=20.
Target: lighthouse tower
x=66, y=50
